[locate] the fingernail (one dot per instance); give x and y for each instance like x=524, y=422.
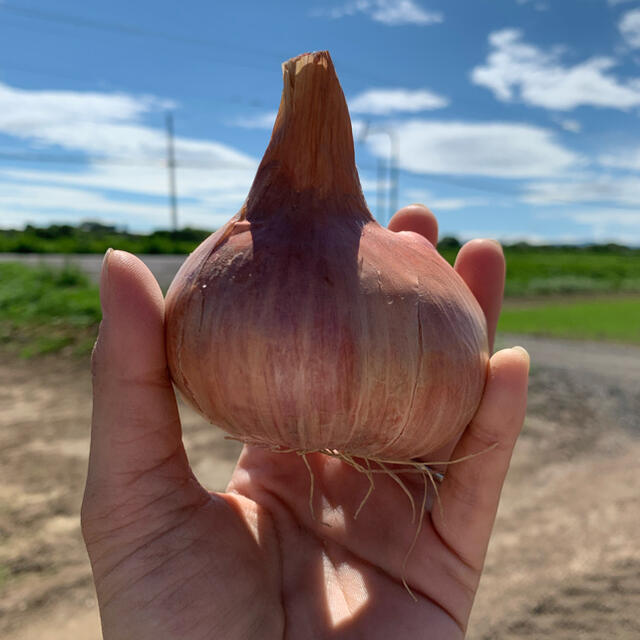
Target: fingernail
x=494, y=242
x=524, y=353
x=104, y=280
x=105, y=262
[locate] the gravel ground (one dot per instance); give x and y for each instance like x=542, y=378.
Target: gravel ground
x=564, y=561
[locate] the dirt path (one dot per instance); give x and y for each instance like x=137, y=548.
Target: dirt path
x=45, y=584
x=563, y=563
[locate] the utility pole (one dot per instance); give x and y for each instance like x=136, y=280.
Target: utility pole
x=393, y=172
x=171, y=166
x=380, y=187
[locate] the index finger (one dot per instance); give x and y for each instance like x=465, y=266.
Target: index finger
x=481, y=265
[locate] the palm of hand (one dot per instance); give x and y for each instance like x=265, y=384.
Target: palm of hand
x=205, y=565
x=171, y=560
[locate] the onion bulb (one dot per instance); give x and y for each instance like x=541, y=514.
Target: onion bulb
x=302, y=324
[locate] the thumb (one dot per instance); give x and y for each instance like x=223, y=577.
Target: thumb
x=135, y=425
x=470, y=491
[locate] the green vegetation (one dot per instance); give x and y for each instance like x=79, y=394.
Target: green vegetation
x=44, y=310
x=531, y=270
x=551, y=270
x=556, y=270
x=609, y=319
x=92, y=237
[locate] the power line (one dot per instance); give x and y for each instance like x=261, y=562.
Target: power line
x=253, y=103
x=77, y=21
x=67, y=159
x=53, y=158
x=41, y=72
x=134, y=30
x=48, y=15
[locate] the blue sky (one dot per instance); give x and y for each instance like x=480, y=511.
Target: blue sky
x=514, y=119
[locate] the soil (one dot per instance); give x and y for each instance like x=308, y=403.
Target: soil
x=564, y=560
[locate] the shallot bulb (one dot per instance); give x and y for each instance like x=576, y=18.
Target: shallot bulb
x=303, y=324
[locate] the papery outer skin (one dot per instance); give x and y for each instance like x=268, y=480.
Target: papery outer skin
x=330, y=333
x=304, y=324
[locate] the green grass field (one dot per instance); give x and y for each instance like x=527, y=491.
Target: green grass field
x=608, y=319
x=549, y=271
x=44, y=310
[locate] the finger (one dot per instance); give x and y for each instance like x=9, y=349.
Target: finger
x=135, y=424
x=470, y=491
x=481, y=265
x=417, y=218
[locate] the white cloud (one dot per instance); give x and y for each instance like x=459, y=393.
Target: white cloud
x=608, y=205
x=629, y=26
x=42, y=197
x=370, y=182
x=569, y=124
x=260, y=121
x=600, y=217
x=443, y=204
x=102, y=125
x=622, y=191
x=142, y=180
x=596, y=233
x=517, y=70
x=622, y=159
x=538, y=6
x=508, y=237
x=26, y=196
x=604, y=224
x=124, y=156
x=496, y=149
x=358, y=128
x=389, y=12
x=453, y=204
x=386, y=101
x=24, y=109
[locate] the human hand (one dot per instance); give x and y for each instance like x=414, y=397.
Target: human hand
x=171, y=560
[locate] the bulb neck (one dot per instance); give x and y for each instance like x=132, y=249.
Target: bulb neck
x=310, y=158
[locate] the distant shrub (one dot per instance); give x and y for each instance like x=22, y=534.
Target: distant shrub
x=448, y=243
x=94, y=237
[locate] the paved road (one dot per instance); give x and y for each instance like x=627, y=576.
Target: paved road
x=164, y=267
x=590, y=384
x=612, y=361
